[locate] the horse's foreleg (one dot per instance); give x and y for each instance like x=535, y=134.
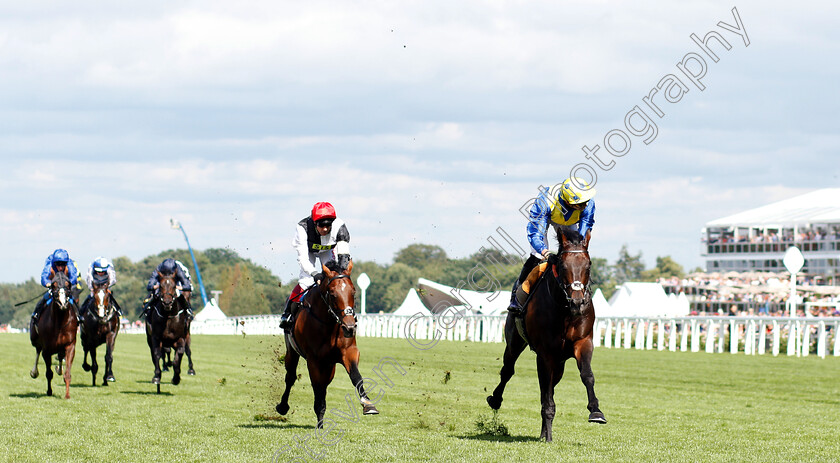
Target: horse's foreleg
x=549, y=373
x=48, y=367
x=94, y=366
x=513, y=349
x=69, y=354
x=583, y=355
x=292, y=359
x=156, y=354
x=178, y=349
x=109, y=358
x=34, y=372
x=350, y=360
x=85, y=365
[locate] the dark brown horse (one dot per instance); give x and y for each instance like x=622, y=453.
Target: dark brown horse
x=167, y=355
x=558, y=324
x=55, y=331
x=167, y=325
x=324, y=333
x=100, y=325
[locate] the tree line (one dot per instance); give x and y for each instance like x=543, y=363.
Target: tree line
x=249, y=289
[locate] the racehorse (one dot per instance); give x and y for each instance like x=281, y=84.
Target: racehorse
x=55, y=331
x=100, y=325
x=558, y=322
x=167, y=355
x=324, y=333
x=167, y=325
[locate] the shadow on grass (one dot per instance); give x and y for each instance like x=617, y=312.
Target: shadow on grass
x=31, y=395
x=274, y=425
x=146, y=392
x=492, y=438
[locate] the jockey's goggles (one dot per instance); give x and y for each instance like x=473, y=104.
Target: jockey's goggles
x=324, y=223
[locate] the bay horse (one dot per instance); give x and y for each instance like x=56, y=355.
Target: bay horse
x=324, y=333
x=167, y=356
x=55, y=331
x=100, y=325
x=558, y=321
x=167, y=325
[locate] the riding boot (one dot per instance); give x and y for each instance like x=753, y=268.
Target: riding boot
x=39, y=307
x=147, y=305
x=286, y=318
x=515, y=307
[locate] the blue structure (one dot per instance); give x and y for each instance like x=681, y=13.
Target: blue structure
x=177, y=225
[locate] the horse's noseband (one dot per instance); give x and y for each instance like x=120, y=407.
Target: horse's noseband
x=347, y=311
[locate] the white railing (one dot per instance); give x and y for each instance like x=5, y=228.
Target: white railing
x=748, y=335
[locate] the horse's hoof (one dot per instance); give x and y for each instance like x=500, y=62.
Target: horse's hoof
x=85, y=367
x=165, y=368
x=282, y=408
x=110, y=378
x=155, y=380
x=370, y=410
x=597, y=417
x=34, y=373
x=49, y=393
x=191, y=372
x=176, y=380
x=493, y=402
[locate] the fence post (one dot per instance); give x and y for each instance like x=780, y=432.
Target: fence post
x=711, y=330
x=733, y=337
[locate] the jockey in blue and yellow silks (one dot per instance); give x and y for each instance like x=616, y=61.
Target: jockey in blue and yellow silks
x=571, y=205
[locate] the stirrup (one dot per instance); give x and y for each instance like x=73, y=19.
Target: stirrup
x=286, y=321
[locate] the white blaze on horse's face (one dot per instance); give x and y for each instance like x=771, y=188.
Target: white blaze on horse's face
x=100, y=302
x=62, y=298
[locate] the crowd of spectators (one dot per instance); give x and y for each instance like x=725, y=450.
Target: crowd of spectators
x=787, y=236
x=752, y=294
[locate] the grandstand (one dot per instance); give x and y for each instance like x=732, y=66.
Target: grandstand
x=756, y=240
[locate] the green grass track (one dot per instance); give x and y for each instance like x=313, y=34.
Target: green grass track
x=660, y=406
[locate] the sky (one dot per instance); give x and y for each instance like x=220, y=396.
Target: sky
x=422, y=122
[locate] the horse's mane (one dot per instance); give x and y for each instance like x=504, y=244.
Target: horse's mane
x=335, y=266
x=572, y=235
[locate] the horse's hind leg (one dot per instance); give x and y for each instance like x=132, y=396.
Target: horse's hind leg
x=513, y=348
x=320, y=376
x=85, y=365
x=292, y=359
x=70, y=353
x=188, y=351
x=549, y=373
x=34, y=372
x=583, y=355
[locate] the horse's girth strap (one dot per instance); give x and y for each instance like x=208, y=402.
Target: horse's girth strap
x=533, y=277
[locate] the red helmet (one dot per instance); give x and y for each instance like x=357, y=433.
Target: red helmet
x=322, y=211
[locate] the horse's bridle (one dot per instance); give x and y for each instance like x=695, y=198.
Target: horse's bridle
x=347, y=311
x=109, y=310
x=575, y=285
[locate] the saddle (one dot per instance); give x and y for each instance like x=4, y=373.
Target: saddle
x=523, y=296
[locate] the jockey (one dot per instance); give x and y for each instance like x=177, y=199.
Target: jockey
x=58, y=261
x=168, y=267
x=101, y=270
x=320, y=236
x=571, y=205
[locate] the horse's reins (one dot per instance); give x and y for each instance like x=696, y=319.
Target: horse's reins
x=327, y=303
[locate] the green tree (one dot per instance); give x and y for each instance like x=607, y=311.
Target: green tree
x=419, y=256
x=628, y=267
x=240, y=295
x=666, y=267
x=601, y=276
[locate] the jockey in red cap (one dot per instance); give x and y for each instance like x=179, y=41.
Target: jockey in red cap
x=320, y=236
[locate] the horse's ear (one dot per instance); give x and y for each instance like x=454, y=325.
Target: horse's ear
x=350, y=267
x=586, y=239
x=329, y=273
x=563, y=240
